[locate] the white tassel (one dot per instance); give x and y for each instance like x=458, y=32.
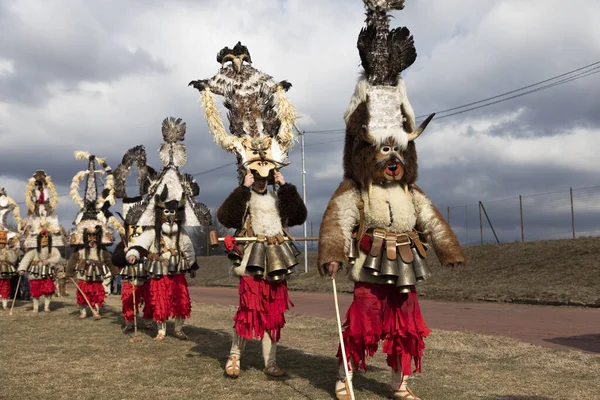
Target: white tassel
x=82, y=155
x=75, y=188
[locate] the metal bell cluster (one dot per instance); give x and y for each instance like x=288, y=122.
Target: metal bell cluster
x=277, y=260
x=7, y=269
x=395, y=270
x=42, y=271
x=96, y=272
x=137, y=271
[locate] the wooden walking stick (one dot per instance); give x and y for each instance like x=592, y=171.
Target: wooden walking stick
x=15, y=296
x=339, y=324
x=135, y=337
x=96, y=314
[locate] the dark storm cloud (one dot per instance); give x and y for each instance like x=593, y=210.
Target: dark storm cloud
x=65, y=48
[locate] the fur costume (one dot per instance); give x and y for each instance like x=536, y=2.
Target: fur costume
x=260, y=122
x=135, y=290
x=378, y=219
x=42, y=235
x=90, y=261
x=164, y=248
x=9, y=245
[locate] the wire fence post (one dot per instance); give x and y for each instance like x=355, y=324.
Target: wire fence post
x=572, y=212
x=480, y=224
x=521, y=214
x=466, y=225
x=448, y=215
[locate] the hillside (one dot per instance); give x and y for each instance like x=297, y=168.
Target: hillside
x=565, y=272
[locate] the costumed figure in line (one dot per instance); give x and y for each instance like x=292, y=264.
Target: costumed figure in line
x=133, y=276
x=41, y=237
x=9, y=245
x=90, y=262
x=261, y=120
x=378, y=221
x=164, y=246
x=60, y=278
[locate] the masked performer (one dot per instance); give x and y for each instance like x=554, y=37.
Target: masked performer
x=9, y=245
x=133, y=277
x=168, y=208
x=90, y=263
x=378, y=219
x=42, y=235
x=261, y=120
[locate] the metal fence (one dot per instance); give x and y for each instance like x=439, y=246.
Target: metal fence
x=558, y=215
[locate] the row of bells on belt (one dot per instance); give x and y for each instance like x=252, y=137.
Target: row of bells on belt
x=135, y=271
x=156, y=270
x=42, y=271
x=96, y=272
x=277, y=259
x=7, y=269
x=397, y=272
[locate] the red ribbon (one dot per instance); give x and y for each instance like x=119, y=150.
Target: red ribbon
x=230, y=243
x=42, y=198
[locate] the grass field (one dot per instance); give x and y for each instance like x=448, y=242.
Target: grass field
x=546, y=272
x=57, y=356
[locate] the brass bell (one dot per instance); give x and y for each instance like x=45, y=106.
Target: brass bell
x=11, y=270
x=89, y=271
x=373, y=264
x=173, y=265
x=420, y=266
x=35, y=271
x=389, y=270
x=236, y=256
x=44, y=271
x=293, y=247
x=140, y=270
x=3, y=269
x=104, y=270
x=256, y=260
x=289, y=259
x=124, y=273
x=156, y=269
x=353, y=253
x=407, y=274
x=276, y=269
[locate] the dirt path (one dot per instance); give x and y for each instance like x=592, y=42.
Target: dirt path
x=558, y=327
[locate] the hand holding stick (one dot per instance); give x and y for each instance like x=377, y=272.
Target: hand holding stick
x=339, y=324
x=15, y=296
x=94, y=312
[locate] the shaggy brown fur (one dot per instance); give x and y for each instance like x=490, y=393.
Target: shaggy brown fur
x=331, y=239
x=291, y=206
x=118, y=255
x=232, y=211
x=71, y=264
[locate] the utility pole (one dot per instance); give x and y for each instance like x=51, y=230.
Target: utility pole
x=302, y=133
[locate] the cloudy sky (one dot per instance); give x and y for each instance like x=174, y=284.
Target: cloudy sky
x=101, y=75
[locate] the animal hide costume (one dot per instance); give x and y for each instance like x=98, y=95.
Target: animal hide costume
x=260, y=122
x=90, y=261
x=9, y=245
x=164, y=247
x=42, y=235
x=134, y=277
x=378, y=220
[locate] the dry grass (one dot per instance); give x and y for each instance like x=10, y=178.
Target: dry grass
x=553, y=271
x=56, y=356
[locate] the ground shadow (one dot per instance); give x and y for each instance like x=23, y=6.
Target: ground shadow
x=320, y=371
x=589, y=342
x=520, y=397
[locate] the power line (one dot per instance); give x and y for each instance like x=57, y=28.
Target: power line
x=570, y=76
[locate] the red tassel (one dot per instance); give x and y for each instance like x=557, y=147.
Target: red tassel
x=41, y=287
x=94, y=291
x=5, y=288
x=42, y=198
x=380, y=312
x=170, y=298
x=261, y=308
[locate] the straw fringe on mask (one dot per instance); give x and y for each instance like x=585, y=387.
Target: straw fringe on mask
x=215, y=123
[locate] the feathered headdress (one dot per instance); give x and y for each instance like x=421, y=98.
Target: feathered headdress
x=8, y=205
x=258, y=109
x=380, y=113
x=41, y=190
x=94, y=208
x=179, y=186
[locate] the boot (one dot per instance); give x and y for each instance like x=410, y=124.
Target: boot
x=398, y=388
x=82, y=312
x=232, y=366
x=62, y=288
x=342, y=384
x=57, y=288
x=47, y=303
x=162, y=331
x=269, y=350
x=4, y=304
x=36, y=304
x=128, y=327
x=179, y=334
x=97, y=316
x=148, y=324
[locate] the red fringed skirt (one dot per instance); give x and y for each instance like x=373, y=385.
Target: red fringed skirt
x=142, y=296
x=94, y=291
x=41, y=287
x=5, y=288
x=262, y=307
x=380, y=312
x=170, y=298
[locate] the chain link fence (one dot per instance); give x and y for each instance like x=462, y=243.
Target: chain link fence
x=558, y=215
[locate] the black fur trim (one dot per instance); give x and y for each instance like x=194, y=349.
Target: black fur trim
x=292, y=209
x=118, y=255
x=232, y=211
